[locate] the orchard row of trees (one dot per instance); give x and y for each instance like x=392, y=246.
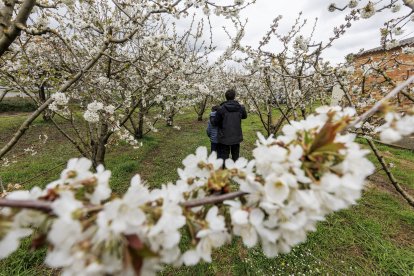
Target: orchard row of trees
x=104, y=71
x=145, y=65
x=112, y=63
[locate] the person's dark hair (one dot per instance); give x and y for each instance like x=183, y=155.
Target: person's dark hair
x=230, y=94
x=215, y=108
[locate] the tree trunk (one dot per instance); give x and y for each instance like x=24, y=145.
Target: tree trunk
x=278, y=125
x=139, y=131
x=100, y=155
x=303, y=111
x=47, y=114
x=170, y=120
x=99, y=146
x=269, y=117
x=3, y=95
x=202, y=106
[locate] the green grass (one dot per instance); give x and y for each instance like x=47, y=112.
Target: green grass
x=402, y=159
x=373, y=237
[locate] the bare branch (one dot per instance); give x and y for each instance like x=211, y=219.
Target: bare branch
x=408, y=96
x=212, y=199
x=46, y=206
x=11, y=33
x=43, y=6
x=391, y=177
x=39, y=205
x=6, y=13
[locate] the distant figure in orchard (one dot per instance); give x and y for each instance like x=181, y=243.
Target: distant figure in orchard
x=212, y=131
x=228, y=120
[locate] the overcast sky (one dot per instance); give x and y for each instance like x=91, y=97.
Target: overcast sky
x=363, y=34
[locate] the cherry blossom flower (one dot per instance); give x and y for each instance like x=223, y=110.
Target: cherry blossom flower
x=396, y=127
x=215, y=235
x=285, y=196
x=197, y=165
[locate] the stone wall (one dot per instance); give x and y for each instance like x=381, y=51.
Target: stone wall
x=396, y=65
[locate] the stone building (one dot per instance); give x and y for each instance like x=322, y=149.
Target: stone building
x=390, y=67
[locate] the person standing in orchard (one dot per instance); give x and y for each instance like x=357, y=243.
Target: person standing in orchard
x=228, y=120
x=212, y=131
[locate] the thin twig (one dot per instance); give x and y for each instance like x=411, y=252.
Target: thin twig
x=212, y=199
x=45, y=206
x=39, y=205
x=411, y=98
x=391, y=177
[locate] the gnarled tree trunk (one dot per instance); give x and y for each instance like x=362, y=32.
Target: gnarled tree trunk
x=99, y=145
x=139, y=129
x=47, y=114
x=202, y=108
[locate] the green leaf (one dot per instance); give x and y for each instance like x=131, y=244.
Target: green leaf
x=332, y=147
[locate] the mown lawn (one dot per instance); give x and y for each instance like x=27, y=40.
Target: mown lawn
x=374, y=237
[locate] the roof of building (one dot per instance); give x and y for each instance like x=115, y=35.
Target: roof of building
x=404, y=42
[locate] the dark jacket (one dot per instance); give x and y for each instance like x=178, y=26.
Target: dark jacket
x=228, y=119
x=212, y=131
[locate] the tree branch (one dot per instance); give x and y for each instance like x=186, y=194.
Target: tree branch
x=39, y=205
x=408, y=96
x=391, y=177
x=46, y=207
x=6, y=13
x=12, y=32
x=212, y=199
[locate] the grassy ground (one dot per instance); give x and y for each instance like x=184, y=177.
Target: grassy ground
x=373, y=237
